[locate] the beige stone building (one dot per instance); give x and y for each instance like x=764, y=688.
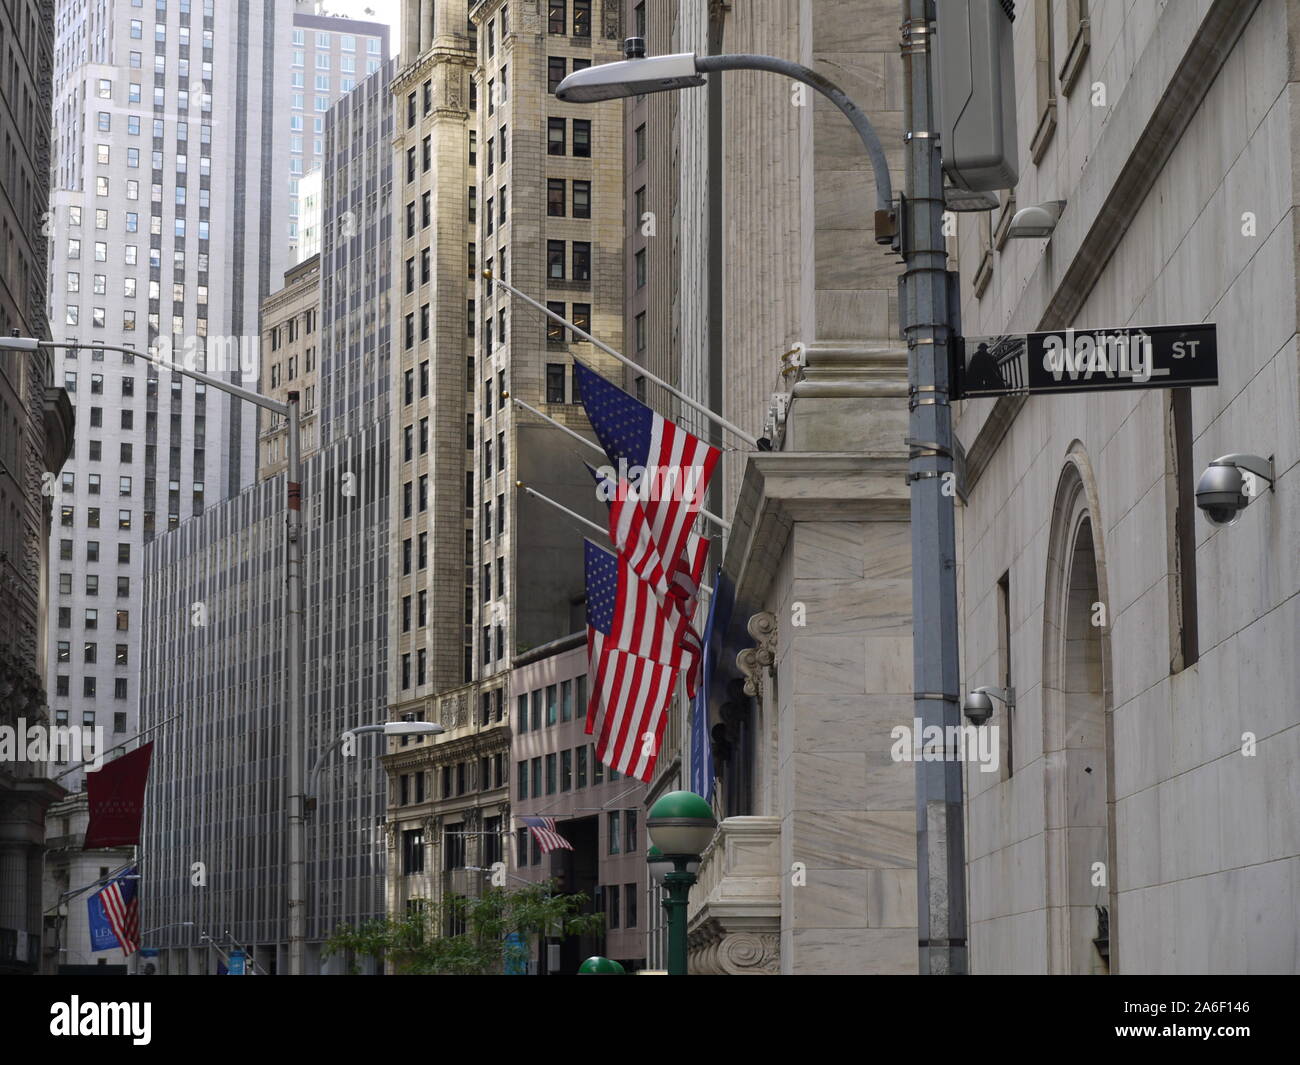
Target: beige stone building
x=493, y=175
x=1143, y=818
x=1139, y=816
x=290, y=362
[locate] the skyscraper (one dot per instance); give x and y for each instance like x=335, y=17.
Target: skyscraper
x=217, y=794
x=35, y=437
x=171, y=167
x=331, y=57
x=493, y=174
x=175, y=192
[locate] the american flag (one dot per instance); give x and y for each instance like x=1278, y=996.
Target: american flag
x=547, y=835
x=633, y=693
x=624, y=614
x=629, y=532
x=121, y=902
x=677, y=466
x=634, y=651
x=679, y=595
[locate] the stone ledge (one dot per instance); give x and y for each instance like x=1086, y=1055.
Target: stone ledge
x=734, y=913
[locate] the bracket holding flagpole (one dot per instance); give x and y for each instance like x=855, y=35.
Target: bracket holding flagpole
x=721, y=523
x=694, y=404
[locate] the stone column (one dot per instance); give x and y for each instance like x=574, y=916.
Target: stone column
x=821, y=542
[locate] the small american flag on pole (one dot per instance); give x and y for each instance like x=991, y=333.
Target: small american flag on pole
x=547, y=835
x=120, y=902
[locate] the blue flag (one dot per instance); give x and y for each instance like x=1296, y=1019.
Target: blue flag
x=715, y=630
x=102, y=936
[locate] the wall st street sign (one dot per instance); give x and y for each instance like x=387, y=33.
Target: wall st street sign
x=1086, y=360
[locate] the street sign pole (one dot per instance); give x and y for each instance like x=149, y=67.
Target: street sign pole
x=925, y=310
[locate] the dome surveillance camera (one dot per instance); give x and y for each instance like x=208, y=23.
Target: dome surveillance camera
x=978, y=704
x=1221, y=491
x=977, y=707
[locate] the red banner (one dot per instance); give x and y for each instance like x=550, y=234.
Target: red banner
x=115, y=793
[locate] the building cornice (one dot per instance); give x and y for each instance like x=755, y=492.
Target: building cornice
x=1108, y=196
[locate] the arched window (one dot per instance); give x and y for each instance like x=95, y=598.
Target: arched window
x=1078, y=735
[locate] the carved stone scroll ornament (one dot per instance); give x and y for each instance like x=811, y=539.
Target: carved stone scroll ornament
x=716, y=952
x=754, y=661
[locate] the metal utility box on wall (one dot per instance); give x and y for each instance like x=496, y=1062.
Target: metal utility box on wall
x=976, y=93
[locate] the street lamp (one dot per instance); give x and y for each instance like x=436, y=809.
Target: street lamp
x=388, y=728
x=293, y=613
x=664, y=73
x=680, y=825
x=915, y=228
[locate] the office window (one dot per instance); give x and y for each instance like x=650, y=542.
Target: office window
x=555, y=260
x=555, y=139
x=613, y=821
x=629, y=905
x=412, y=851
x=555, y=196
x=554, y=330
x=554, y=72
x=640, y=140
x=566, y=770
x=582, y=316
x=550, y=774
x=537, y=709
x=582, y=18
x=581, y=260
x=580, y=775
x=521, y=774
x=556, y=20
x=581, y=199
x=582, y=138
x=554, y=382
x=537, y=777
x=629, y=831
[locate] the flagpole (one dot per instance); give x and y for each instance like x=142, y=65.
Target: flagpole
x=560, y=506
x=693, y=403
x=721, y=523
x=578, y=517
x=109, y=750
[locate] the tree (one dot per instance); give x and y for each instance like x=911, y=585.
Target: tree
x=413, y=945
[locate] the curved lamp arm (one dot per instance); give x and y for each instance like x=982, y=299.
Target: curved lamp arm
x=832, y=92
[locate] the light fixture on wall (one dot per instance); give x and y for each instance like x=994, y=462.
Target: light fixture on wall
x=1223, y=492
x=1036, y=221
x=978, y=704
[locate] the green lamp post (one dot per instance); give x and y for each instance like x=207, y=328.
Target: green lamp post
x=601, y=967
x=680, y=826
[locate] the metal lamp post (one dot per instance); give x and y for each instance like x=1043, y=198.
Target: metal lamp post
x=680, y=824
x=925, y=308
x=293, y=613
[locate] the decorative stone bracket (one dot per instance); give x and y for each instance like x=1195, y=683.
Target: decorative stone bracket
x=754, y=661
x=735, y=909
